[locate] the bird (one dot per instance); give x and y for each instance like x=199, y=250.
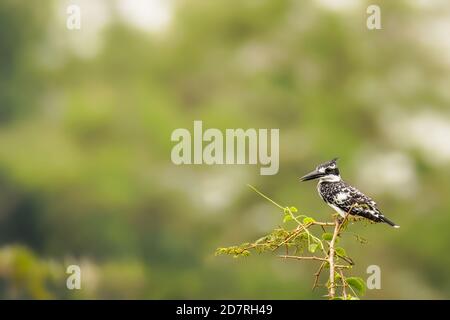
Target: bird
x=341, y=196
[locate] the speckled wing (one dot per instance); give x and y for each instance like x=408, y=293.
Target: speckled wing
x=350, y=198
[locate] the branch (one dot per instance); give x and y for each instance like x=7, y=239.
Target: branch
x=337, y=229
x=344, y=284
x=324, y=224
x=332, y=288
x=300, y=237
x=301, y=258
x=317, y=275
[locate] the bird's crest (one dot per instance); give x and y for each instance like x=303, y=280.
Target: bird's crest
x=331, y=163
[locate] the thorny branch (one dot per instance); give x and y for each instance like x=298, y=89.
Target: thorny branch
x=302, y=237
x=332, y=253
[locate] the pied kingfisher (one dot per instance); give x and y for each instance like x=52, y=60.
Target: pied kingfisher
x=341, y=196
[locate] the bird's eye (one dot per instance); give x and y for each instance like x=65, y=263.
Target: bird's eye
x=328, y=170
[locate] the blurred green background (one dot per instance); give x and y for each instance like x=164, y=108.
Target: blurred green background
x=85, y=123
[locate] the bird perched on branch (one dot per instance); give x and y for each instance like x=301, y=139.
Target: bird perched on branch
x=341, y=196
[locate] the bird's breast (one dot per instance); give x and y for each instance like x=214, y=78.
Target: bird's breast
x=320, y=190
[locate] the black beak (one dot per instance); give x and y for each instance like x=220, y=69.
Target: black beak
x=312, y=175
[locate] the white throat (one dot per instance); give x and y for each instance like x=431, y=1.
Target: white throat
x=330, y=178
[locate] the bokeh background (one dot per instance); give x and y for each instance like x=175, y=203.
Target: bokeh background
x=85, y=123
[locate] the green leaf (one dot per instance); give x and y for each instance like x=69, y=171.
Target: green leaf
x=286, y=211
x=327, y=236
x=357, y=284
x=340, y=251
x=287, y=218
x=294, y=209
x=245, y=253
x=308, y=220
x=312, y=247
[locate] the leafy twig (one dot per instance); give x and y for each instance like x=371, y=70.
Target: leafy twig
x=302, y=237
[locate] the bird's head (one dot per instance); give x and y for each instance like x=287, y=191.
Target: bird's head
x=327, y=171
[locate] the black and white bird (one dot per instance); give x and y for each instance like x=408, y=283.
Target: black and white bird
x=341, y=196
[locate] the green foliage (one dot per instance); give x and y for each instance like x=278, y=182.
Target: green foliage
x=28, y=276
x=269, y=242
x=327, y=236
x=357, y=284
x=298, y=239
x=235, y=251
x=341, y=252
x=287, y=217
x=312, y=247
x=308, y=220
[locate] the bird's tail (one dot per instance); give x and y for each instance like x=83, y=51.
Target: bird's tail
x=389, y=222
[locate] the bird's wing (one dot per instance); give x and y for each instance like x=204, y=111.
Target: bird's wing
x=350, y=198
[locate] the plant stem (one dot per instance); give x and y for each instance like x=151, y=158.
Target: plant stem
x=323, y=224
x=264, y=196
x=331, y=256
x=301, y=258
x=344, y=284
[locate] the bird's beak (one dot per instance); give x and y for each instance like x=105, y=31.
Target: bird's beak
x=312, y=175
